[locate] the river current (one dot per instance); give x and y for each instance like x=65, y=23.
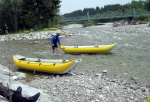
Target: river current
x=130, y=59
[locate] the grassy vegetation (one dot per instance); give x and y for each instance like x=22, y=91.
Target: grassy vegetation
x=51, y=29
x=26, y=31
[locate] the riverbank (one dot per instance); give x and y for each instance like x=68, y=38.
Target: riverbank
x=78, y=88
x=94, y=86
x=34, y=35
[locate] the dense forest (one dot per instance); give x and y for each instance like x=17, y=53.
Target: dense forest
x=138, y=5
x=26, y=14
x=18, y=15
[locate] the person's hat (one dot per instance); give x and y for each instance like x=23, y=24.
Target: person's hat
x=58, y=34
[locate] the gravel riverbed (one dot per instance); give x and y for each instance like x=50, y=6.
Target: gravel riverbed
x=90, y=88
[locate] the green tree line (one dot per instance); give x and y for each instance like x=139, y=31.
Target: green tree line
x=27, y=14
x=138, y=5
x=38, y=14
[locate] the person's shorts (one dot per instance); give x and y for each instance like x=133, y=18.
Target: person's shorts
x=55, y=46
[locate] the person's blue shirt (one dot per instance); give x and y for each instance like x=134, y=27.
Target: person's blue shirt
x=55, y=39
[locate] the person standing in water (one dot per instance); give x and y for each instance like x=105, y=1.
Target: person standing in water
x=55, y=40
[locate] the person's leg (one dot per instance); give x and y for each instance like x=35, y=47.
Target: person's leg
x=56, y=48
x=53, y=47
x=34, y=98
x=13, y=95
x=53, y=51
x=19, y=98
x=18, y=91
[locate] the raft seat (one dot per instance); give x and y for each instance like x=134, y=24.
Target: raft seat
x=38, y=60
x=96, y=46
x=64, y=61
x=76, y=47
x=22, y=59
x=33, y=60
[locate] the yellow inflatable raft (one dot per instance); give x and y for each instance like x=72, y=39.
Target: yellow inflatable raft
x=88, y=49
x=45, y=65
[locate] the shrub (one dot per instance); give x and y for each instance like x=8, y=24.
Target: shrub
x=26, y=31
x=144, y=17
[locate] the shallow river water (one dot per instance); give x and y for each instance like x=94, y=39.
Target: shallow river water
x=130, y=59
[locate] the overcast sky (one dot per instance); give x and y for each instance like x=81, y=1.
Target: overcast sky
x=67, y=6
